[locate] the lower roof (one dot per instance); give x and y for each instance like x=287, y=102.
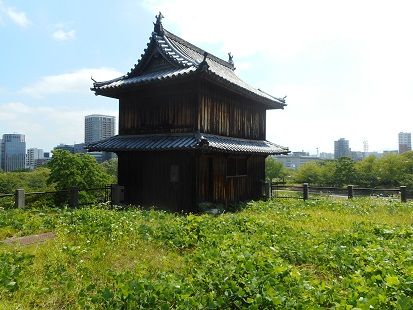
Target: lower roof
x=186, y=141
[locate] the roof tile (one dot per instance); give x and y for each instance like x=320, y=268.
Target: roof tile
x=165, y=142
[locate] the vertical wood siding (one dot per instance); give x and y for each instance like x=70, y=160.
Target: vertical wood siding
x=227, y=114
x=162, y=111
x=225, y=189
x=147, y=179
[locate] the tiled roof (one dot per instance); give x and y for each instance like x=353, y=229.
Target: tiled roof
x=185, y=59
x=167, y=142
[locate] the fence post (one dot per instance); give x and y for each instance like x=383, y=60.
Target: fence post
x=403, y=193
x=116, y=194
x=73, y=197
x=19, y=198
x=305, y=191
x=269, y=190
x=350, y=193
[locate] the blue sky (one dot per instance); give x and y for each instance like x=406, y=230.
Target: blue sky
x=346, y=67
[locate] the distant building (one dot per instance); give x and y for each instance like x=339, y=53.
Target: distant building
x=341, y=148
x=295, y=159
x=327, y=156
x=41, y=162
x=33, y=154
x=357, y=155
x=65, y=147
x=1, y=144
x=390, y=152
x=13, y=152
x=79, y=148
x=99, y=127
x=405, y=142
x=375, y=154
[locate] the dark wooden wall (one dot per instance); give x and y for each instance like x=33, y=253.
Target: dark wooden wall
x=158, y=110
x=147, y=179
x=215, y=186
x=201, y=178
x=188, y=107
x=223, y=113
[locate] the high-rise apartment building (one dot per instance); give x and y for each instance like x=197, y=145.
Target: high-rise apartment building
x=98, y=127
x=1, y=145
x=13, y=151
x=405, y=142
x=33, y=154
x=341, y=148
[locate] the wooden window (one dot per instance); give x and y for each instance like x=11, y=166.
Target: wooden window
x=236, y=166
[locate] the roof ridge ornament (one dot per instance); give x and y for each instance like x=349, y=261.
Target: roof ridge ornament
x=158, y=28
x=231, y=60
x=204, y=66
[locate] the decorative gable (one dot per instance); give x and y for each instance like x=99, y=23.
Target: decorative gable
x=168, y=57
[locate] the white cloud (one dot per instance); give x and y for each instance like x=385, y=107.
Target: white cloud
x=18, y=17
x=75, y=82
x=44, y=126
x=61, y=35
x=345, y=66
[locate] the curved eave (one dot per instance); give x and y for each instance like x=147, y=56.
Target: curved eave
x=187, y=142
x=114, y=90
x=221, y=81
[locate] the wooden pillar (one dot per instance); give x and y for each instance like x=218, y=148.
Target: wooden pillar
x=305, y=191
x=403, y=193
x=350, y=193
x=19, y=198
x=117, y=194
x=73, y=197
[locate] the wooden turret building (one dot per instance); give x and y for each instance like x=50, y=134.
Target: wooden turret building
x=190, y=130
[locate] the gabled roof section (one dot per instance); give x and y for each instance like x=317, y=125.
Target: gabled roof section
x=168, y=57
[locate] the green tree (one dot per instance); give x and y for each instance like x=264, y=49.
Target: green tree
x=309, y=172
x=30, y=181
x=274, y=169
x=344, y=172
x=76, y=170
x=111, y=168
x=389, y=170
x=327, y=169
x=366, y=171
x=407, y=163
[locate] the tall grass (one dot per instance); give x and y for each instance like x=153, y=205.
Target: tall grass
x=276, y=254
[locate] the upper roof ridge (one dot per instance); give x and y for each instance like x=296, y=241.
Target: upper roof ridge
x=198, y=50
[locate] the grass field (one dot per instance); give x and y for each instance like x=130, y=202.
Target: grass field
x=283, y=253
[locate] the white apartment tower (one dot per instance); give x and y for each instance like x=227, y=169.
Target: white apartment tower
x=405, y=142
x=32, y=155
x=98, y=127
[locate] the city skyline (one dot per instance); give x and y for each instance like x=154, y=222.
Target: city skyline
x=339, y=78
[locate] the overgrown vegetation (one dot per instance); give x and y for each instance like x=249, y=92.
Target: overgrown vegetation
x=276, y=254
x=33, y=181
x=391, y=170
x=64, y=171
